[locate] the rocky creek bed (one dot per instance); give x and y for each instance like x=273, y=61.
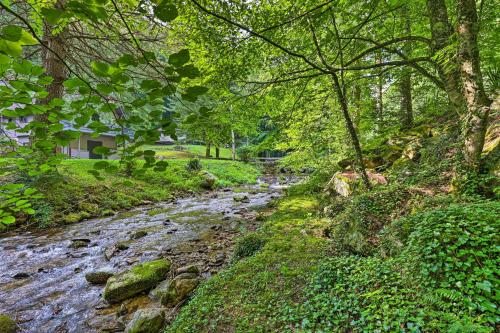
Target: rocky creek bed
x=44, y=275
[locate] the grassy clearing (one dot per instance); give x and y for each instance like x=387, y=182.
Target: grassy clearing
x=74, y=194
x=188, y=151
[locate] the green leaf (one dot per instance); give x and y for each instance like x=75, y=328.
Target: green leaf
x=100, y=150
x=196, y=90
x=12, y=33
x=52, y=15
x=180, y=58
x=9, y=219
x=166, y=11
x=189, y=71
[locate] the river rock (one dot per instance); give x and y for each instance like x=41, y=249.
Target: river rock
x=138, y=234
x=79, y=243
x=179, y=288
x=7, y=324
x=160, y=290
x=188, y=269
x=241, y=198
x=122, y=245
x=146, y=321
x=98, y=277
x=138, y=279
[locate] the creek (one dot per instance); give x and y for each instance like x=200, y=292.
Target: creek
x=42, y=272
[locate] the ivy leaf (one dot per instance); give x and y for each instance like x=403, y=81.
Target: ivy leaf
x=166, y=11
x=180, y=58
x=9, y=219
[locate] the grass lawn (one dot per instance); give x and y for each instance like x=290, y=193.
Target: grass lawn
x=73, y=194
x=188, y=151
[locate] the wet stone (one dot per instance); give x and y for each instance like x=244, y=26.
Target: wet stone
x=99, y=277
x=21, y=275
x=146, y=321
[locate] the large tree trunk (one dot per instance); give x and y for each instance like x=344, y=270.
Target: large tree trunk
x=478, y=104
x=447, y=67
x=217, y=152
x=51, y=60
x=360, y=165
x=405, y=83
x=207, y=149
x=53, y=50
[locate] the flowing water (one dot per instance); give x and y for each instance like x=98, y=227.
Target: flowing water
x=42, y=273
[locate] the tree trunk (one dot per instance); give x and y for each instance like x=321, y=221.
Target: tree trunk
x=477, y=103
x=233, y=145
x=447, y=66
x=406, y=107
x=217, y=152
x=352, y=131
x=357, y=106
x=207, y=149
x=379, y=101
x=54, y=67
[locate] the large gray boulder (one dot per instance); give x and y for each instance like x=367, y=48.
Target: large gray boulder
x=146, y=321
x=138, y=279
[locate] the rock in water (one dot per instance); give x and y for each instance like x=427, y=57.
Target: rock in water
x=139, y=234
x=138, y=279
x=146, y=321
x=79, y=243
x=179, y=288
x=7, y=325
x=98, y=277
x=242, y=198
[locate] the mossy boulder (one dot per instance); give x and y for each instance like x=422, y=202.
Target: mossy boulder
x=7, y=324
x=345, y=183
x=146, y=321
x=209, y=181
x=179, y=288
x=139, y=279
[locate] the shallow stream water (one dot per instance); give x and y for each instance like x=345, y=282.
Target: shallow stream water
x=42, y=276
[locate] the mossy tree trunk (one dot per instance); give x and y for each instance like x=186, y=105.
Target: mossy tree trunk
x=477, y=102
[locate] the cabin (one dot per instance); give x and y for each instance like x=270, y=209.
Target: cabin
x=79, y=148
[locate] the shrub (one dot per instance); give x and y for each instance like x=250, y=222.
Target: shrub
x=248, y=245
x=193, y=164
x=245, y=153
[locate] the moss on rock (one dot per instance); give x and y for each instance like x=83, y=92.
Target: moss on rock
x=139, y=279
x=7, y=324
